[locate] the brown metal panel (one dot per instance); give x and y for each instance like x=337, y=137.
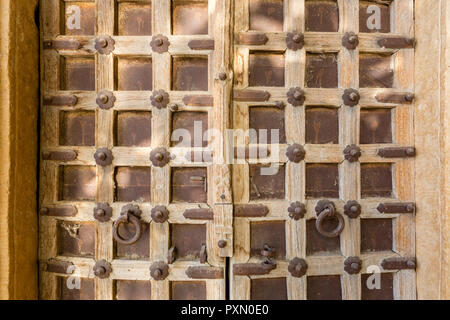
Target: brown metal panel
x=270, y=233
x=266, y=15
x=266, y=69
x=137, y=251
x=384, y=292
x=133, y=290
x=375, y=71
x=76, y=239
x=134, y=19
x=322, y=180
x=134, y=129
x=87, y=18
x=188, y=240
x=376, y=180
x=268, y=289
x=322, y=16
x=188, y=290
x=85, y=292
x=187, y=185
x=324, y=288
x=376, y=235
x=267, y=186
x=322, y=125
x=77, y=73
x=190, y=74
x=268, y=119
x=132, y=184
x=321, y=70
x=77, y=183
x=375, y=126
x=317, y=243
x=77, y=128
x=364, y=16
x=134, y=74
x=188, y=120
x=189, y=18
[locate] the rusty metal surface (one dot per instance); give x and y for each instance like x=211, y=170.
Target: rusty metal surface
x=376, y=235
x=185, y=186
x=385, y=291
x=62, y=44
x=268, y=289
x=68, y=155
x=201, y=44
x=268, y=119
x=188, y=120
x=397, y=207
x=364, y=17
x=251, y=95
x=317, y=244
x=134, y=74
x=297, y=210
x=77, y=183
x=322, y=180
x=321, y=70
x=322, y=125
x=136, y=239
x=87, y=15
x=60, y=101
x=58, y=266
x=133, y=129
x=351, y=97
x=102, y=212
x=396, y=43
x=132, y=184
x=255, y=39
x=375, y=71
x=264, y=187
x=132, y=290
x=295, y=41
x=250, y=210
x=188, y=290
x=190, y=74
x=103, y=157
x=199, y=214
x=297, y=267
x=324, y=288
x=353, y=265
x=160, y=43
x=188, y=240
x=204, y=273
x=397, y=152
x=352, y=209
x=352, y=153
x=350, y=40
x=326, y=211
x=376, y=126
x=401, y=263
x=296, y=96
x=295, y=153
x=376, y=180
x=159, y=99
x=272, y=234
x=159, y=270
x=322, y=16
x=77, y=73
x=102, y=269
x=189, y=18
x=160, y=214
x=266, y=15
x=76, y=239
x=59, y=211
x=266, y=70
x=159, y=157
x=246, y=269
x=77, y=128
x=105, y=45
x=85, y=292
x=134, y=19
x=198, y=100
x=394, y=97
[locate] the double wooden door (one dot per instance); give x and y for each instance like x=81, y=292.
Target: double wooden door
x=188, y=144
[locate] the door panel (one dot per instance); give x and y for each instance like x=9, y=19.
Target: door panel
x=144, y=192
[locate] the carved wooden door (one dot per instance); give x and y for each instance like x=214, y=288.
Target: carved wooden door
x=145, y=192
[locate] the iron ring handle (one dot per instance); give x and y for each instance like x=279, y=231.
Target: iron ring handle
x=127, y=218
x=330, y=212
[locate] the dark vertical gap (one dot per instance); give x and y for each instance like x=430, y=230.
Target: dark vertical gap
x=227, y=279
x=37, y=22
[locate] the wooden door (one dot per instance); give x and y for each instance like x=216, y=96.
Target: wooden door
x=339, y=106
x=311, y=196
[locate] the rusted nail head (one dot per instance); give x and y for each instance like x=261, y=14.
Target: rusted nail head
x=353, y=152
x=159, y=98
x=411, y=263
x=222, y=244
x=102, y=155
x=100, y=270
x=222, y=76
x=157, y=272
x=158, y=214
x=100, y=212
x=410, y=151
x=298, y=210
x=45, y=210
x=104, y=98
x=298, y=267
x=297, y=38
x=353, y=39
x=297, y=152
x=353, y=96
x=159, y=42
x=354, y=209
x=103, y=43
x=409, y=97
x=159, y=156
x=354, y=266
x=298, y=95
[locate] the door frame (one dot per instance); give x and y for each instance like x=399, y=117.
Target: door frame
x=19, y=101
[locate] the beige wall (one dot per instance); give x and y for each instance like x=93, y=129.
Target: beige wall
x=18, y=149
